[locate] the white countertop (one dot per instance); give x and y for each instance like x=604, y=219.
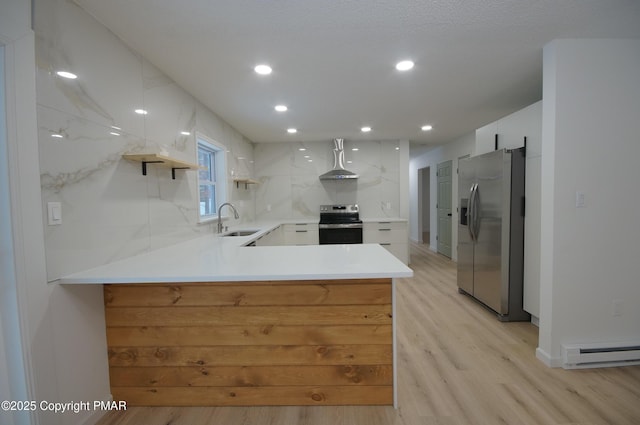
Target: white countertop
x=214, y=258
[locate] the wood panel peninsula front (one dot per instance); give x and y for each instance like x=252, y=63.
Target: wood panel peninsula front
x=212, y=323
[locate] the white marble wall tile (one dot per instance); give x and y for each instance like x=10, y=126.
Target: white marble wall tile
x=110, y=210
x=98, y=190
x=274, y=198
x=173, y=207
x=109, y=84
x=171, y=111
x=208, y=124
x=273, y=159
x=376, y=191
x=307, y=194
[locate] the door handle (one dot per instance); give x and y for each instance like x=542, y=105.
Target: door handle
x=449, y=215
x=470, y=212
x=476, y=212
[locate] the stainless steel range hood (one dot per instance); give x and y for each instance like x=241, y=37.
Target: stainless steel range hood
x=338, y=172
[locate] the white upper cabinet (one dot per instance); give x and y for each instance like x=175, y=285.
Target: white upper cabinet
x=511, y=131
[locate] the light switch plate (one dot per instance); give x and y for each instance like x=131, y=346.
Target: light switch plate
x=54, y=210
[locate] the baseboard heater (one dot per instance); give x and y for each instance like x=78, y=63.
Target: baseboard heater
x=581, y=356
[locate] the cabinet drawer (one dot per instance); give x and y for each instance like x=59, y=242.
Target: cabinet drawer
x=301, y=234
x=385, y=232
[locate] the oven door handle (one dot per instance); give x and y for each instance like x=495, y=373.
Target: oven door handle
x=340, y=226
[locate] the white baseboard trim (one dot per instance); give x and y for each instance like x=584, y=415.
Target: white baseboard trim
x=547, y=359
x=535, y=321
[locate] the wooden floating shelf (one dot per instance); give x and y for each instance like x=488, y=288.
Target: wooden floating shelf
x=246, y=182
x=161, y=160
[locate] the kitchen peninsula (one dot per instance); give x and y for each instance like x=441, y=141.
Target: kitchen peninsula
x=213, y=322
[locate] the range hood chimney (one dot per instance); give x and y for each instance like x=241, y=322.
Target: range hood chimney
x=338, y=172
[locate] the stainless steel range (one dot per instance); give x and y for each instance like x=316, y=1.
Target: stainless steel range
x=340, y=224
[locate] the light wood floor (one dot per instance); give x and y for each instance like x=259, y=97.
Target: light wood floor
x=457, y=365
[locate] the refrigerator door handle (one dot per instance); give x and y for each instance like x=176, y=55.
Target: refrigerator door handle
x=476, y=212
x=470, y=212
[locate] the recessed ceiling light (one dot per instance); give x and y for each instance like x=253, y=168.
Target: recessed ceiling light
x=291, y=130
x=307, y=156
x=309, y=160
x=355, y=149
x=114, y=133
x=281, y=108
x=57, y=136
x=116, y=127
x=404, y=65
x=263, y=69
x=397, y=148
x=141, y=112
x=67, y=74
x=365, y=129
x=302, y=149
x=426, y=127
x=185, y=133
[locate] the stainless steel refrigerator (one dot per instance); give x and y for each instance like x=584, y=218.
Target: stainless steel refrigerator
x=491, y=231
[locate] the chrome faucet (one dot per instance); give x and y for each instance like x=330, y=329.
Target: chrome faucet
x=235, y=214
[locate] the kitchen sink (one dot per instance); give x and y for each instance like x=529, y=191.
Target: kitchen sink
x=241, y=233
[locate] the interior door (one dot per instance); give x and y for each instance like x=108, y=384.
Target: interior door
x=445, y=180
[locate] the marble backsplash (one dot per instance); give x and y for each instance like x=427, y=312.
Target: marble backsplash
x=290, y=187
x=109, y=209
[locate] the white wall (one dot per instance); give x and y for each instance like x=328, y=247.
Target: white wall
x=50, y=348
x=290, y=187
x=590, y=143
x=451, y=151
x=12, y=368
x=109, y=209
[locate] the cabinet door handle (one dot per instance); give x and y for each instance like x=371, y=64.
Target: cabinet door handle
x=385, y=244
x=384, y=230
x=301, y=231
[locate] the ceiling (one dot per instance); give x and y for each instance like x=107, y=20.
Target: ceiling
x=334, y=60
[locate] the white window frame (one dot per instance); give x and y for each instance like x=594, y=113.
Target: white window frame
x=220, y=183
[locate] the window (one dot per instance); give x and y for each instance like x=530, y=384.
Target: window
x=211, y=178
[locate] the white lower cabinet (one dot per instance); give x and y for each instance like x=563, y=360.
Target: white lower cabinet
x=300, y=234
x=393, y=235
x=271, y=238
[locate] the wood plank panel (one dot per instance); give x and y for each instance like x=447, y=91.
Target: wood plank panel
x=145, y=336
x=256, y=396
x=277, y=342
x=252, y=376
x=251, y=355
x=245, y=294
x=263, y=315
